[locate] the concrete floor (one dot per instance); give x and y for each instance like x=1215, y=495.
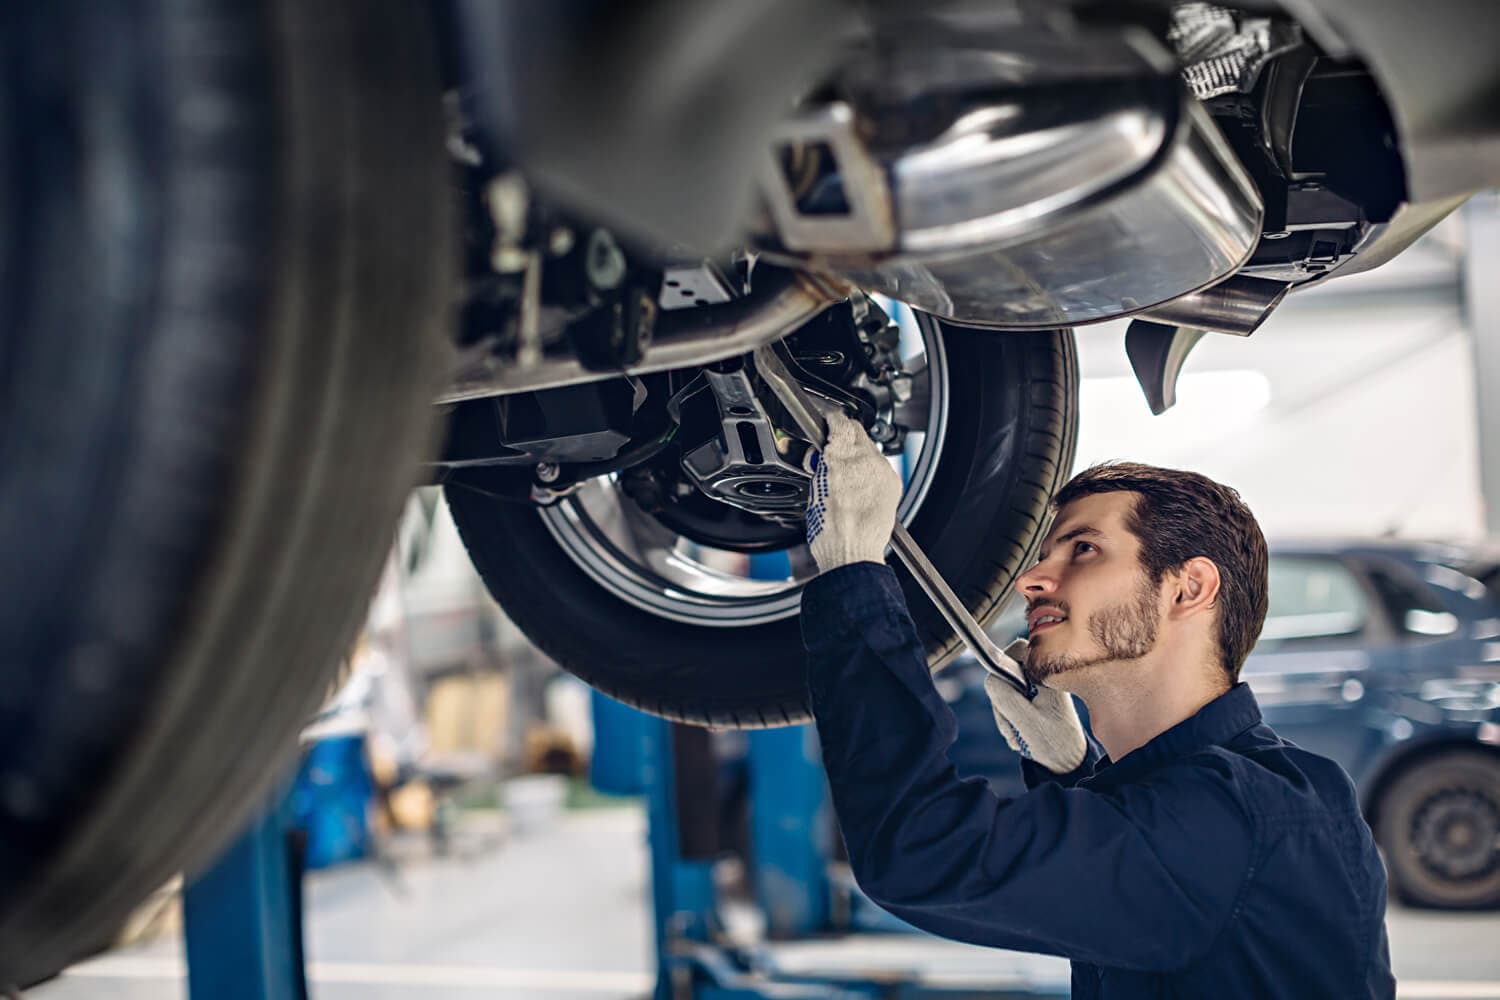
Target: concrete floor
x=564, y=915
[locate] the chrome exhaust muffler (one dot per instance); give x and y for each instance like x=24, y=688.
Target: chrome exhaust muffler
x=1058, y=207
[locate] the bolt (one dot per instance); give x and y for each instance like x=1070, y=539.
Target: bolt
x=882, y=431
x=507, y=198
x=645, y=321
x=548, y=472
x=603, y=261
x=560, y=241
x=509, y=260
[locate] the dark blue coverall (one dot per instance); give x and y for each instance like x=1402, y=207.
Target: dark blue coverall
x=1218, y=860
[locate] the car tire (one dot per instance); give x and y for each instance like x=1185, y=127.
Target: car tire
x=224, y=274
x=1009, y=446
x=1438, y=826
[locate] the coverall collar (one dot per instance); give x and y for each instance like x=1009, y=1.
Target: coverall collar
x=1215, y=724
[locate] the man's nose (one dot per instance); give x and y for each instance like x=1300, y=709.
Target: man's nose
x=1036, y=581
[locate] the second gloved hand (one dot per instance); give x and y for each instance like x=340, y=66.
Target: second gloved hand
x=1045, y=728
x=854, y=496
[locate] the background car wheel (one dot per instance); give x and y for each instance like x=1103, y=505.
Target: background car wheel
x=631, y=614
x=1439, y=828
x=224, y=270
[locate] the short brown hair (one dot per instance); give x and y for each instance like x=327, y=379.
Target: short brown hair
x=1180, y=515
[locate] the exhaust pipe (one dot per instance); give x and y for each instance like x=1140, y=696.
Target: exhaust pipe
x=1159, y=340
x=683, y=338
x=1237, y=305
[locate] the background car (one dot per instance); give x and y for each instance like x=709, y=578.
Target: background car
x=1385, y=657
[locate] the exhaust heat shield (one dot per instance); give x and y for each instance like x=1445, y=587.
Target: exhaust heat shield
x=1065, y=205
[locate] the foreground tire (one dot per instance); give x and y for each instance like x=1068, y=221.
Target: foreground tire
x=223, y=281
x=1438, y=825
x=1008, y=446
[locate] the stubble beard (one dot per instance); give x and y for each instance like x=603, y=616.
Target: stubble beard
x=1124, y=631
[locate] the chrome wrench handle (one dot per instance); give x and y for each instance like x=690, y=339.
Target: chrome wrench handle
x=953, y=610
x=805, y=413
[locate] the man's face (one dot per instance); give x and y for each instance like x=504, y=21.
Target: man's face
x=1088, y=599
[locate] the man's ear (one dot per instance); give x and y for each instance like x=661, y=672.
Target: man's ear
x=1195, y=587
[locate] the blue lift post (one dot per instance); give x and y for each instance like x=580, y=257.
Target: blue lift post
x=791, y=826
x=693, y=960
x=791, y=830
x=684, y=908
x=242, y=918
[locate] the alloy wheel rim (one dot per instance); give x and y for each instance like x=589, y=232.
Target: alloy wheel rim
x=1456, y=834
x=637, y=559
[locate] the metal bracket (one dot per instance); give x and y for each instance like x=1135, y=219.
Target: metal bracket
x=868, y=224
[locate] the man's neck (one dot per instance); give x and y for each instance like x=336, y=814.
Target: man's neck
x=1132, y=703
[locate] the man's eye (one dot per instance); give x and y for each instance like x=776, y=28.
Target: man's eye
x=1079, y=548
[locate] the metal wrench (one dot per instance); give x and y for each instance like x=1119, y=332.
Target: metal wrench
x=810, y=422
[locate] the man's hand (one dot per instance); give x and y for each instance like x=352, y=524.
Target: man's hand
x=853, y=505
x=1045, y=729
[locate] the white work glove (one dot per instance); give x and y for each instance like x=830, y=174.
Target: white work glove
x=1044, y=729
x=855, y=491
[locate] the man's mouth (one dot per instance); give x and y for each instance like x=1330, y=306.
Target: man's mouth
x=1043, y=619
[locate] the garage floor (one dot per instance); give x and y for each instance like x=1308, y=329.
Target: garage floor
x=564, y=915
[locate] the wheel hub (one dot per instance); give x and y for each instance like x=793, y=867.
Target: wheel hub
x=1457, y=834
x=767, y=491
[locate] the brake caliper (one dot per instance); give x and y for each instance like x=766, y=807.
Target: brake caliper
x=751, y=463
x=754, y=459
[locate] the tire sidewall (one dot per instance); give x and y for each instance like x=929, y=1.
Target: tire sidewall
x=232, y=394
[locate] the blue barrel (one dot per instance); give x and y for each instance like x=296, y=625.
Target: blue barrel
x=331, y=799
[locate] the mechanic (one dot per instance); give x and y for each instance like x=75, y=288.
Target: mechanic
x=1195, y=853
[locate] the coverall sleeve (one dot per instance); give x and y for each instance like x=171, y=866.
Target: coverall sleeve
x=1143, y=878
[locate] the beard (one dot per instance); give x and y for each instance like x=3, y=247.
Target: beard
x=1124, y=631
